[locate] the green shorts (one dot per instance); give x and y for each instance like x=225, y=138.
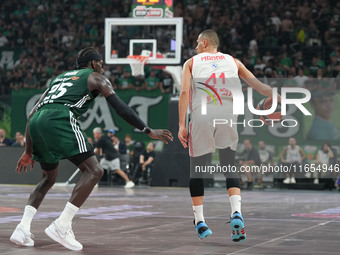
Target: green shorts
x=56, y=134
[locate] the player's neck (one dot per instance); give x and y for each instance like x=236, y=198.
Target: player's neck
x=210, y=49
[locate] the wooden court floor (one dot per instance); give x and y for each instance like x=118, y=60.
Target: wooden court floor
x=151, y=220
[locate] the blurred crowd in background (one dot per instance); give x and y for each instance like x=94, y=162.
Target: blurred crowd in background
x=295, y=40
x=274, y=39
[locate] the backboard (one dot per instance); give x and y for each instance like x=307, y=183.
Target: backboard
x=130, y=36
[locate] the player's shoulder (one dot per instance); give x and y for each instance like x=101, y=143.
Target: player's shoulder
x=188, y=64
x=189, y=61
x=99, y=78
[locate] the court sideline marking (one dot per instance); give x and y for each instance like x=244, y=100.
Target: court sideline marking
x=281, y=237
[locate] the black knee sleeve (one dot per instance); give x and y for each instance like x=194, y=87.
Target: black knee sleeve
x=233, y=182
x=227, y=158
x=196, y=186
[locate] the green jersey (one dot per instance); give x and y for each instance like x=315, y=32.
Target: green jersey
x=70, y=89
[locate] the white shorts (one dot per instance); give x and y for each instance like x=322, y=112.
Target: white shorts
x=204, y=138
x=110, y=164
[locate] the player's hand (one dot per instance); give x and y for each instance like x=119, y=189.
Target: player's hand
x=161, y=134
x=183, y=136
x=23, y=162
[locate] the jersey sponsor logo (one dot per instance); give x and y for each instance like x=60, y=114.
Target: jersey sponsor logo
x=212, y=89
x=212, y=58
x=61, y=79
x=71, y=73
x=74, y=78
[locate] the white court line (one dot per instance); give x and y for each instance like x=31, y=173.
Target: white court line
x=91, y=238
x=281, y=237
x=224, y=217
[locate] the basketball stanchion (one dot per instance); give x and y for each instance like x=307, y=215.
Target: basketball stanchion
x=68, y=182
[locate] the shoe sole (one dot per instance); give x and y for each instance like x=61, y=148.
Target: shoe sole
x=129, y=187
x=51, y=235
x=205, y=234
x=17, y=242
x=237, y=225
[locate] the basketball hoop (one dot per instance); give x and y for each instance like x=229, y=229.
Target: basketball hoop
x=136, y=63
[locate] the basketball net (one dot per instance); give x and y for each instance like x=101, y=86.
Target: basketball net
x=136, y=63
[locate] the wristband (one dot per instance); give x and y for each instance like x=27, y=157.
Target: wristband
x=146, y=130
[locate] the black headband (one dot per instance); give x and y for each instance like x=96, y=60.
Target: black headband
x=89, y=57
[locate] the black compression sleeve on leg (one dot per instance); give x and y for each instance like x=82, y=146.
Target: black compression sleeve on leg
x=196, y=186
x=227, y=157
x=125, y=112
x=233, y=182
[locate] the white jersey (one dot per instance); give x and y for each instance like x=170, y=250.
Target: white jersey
x=293, y=155
x=213, y=71
x=215, y=76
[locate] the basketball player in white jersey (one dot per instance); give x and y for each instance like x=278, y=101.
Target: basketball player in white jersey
x=212, y=71
x=294, y=156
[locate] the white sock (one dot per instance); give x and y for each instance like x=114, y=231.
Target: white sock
x=198, y=212
x=27, y=218
x=235, y=203
x=67, y=215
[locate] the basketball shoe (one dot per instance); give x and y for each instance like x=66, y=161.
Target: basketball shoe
x=202, y=230
x=22, y=237
x=64, y=236
x=238, y=233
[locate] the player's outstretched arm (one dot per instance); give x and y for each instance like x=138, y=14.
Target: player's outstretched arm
x=184, y=102
x=252, y=81
x=26, y=157
x=101, y=84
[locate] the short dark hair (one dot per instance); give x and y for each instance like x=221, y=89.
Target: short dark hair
x=211, y=36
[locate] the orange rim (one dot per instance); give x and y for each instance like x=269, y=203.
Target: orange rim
x=140, y=58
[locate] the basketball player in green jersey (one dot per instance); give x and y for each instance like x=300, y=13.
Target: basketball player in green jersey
x=53, y=133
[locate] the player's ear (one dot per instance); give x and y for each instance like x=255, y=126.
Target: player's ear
x=205, y=43
x=93, y=64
